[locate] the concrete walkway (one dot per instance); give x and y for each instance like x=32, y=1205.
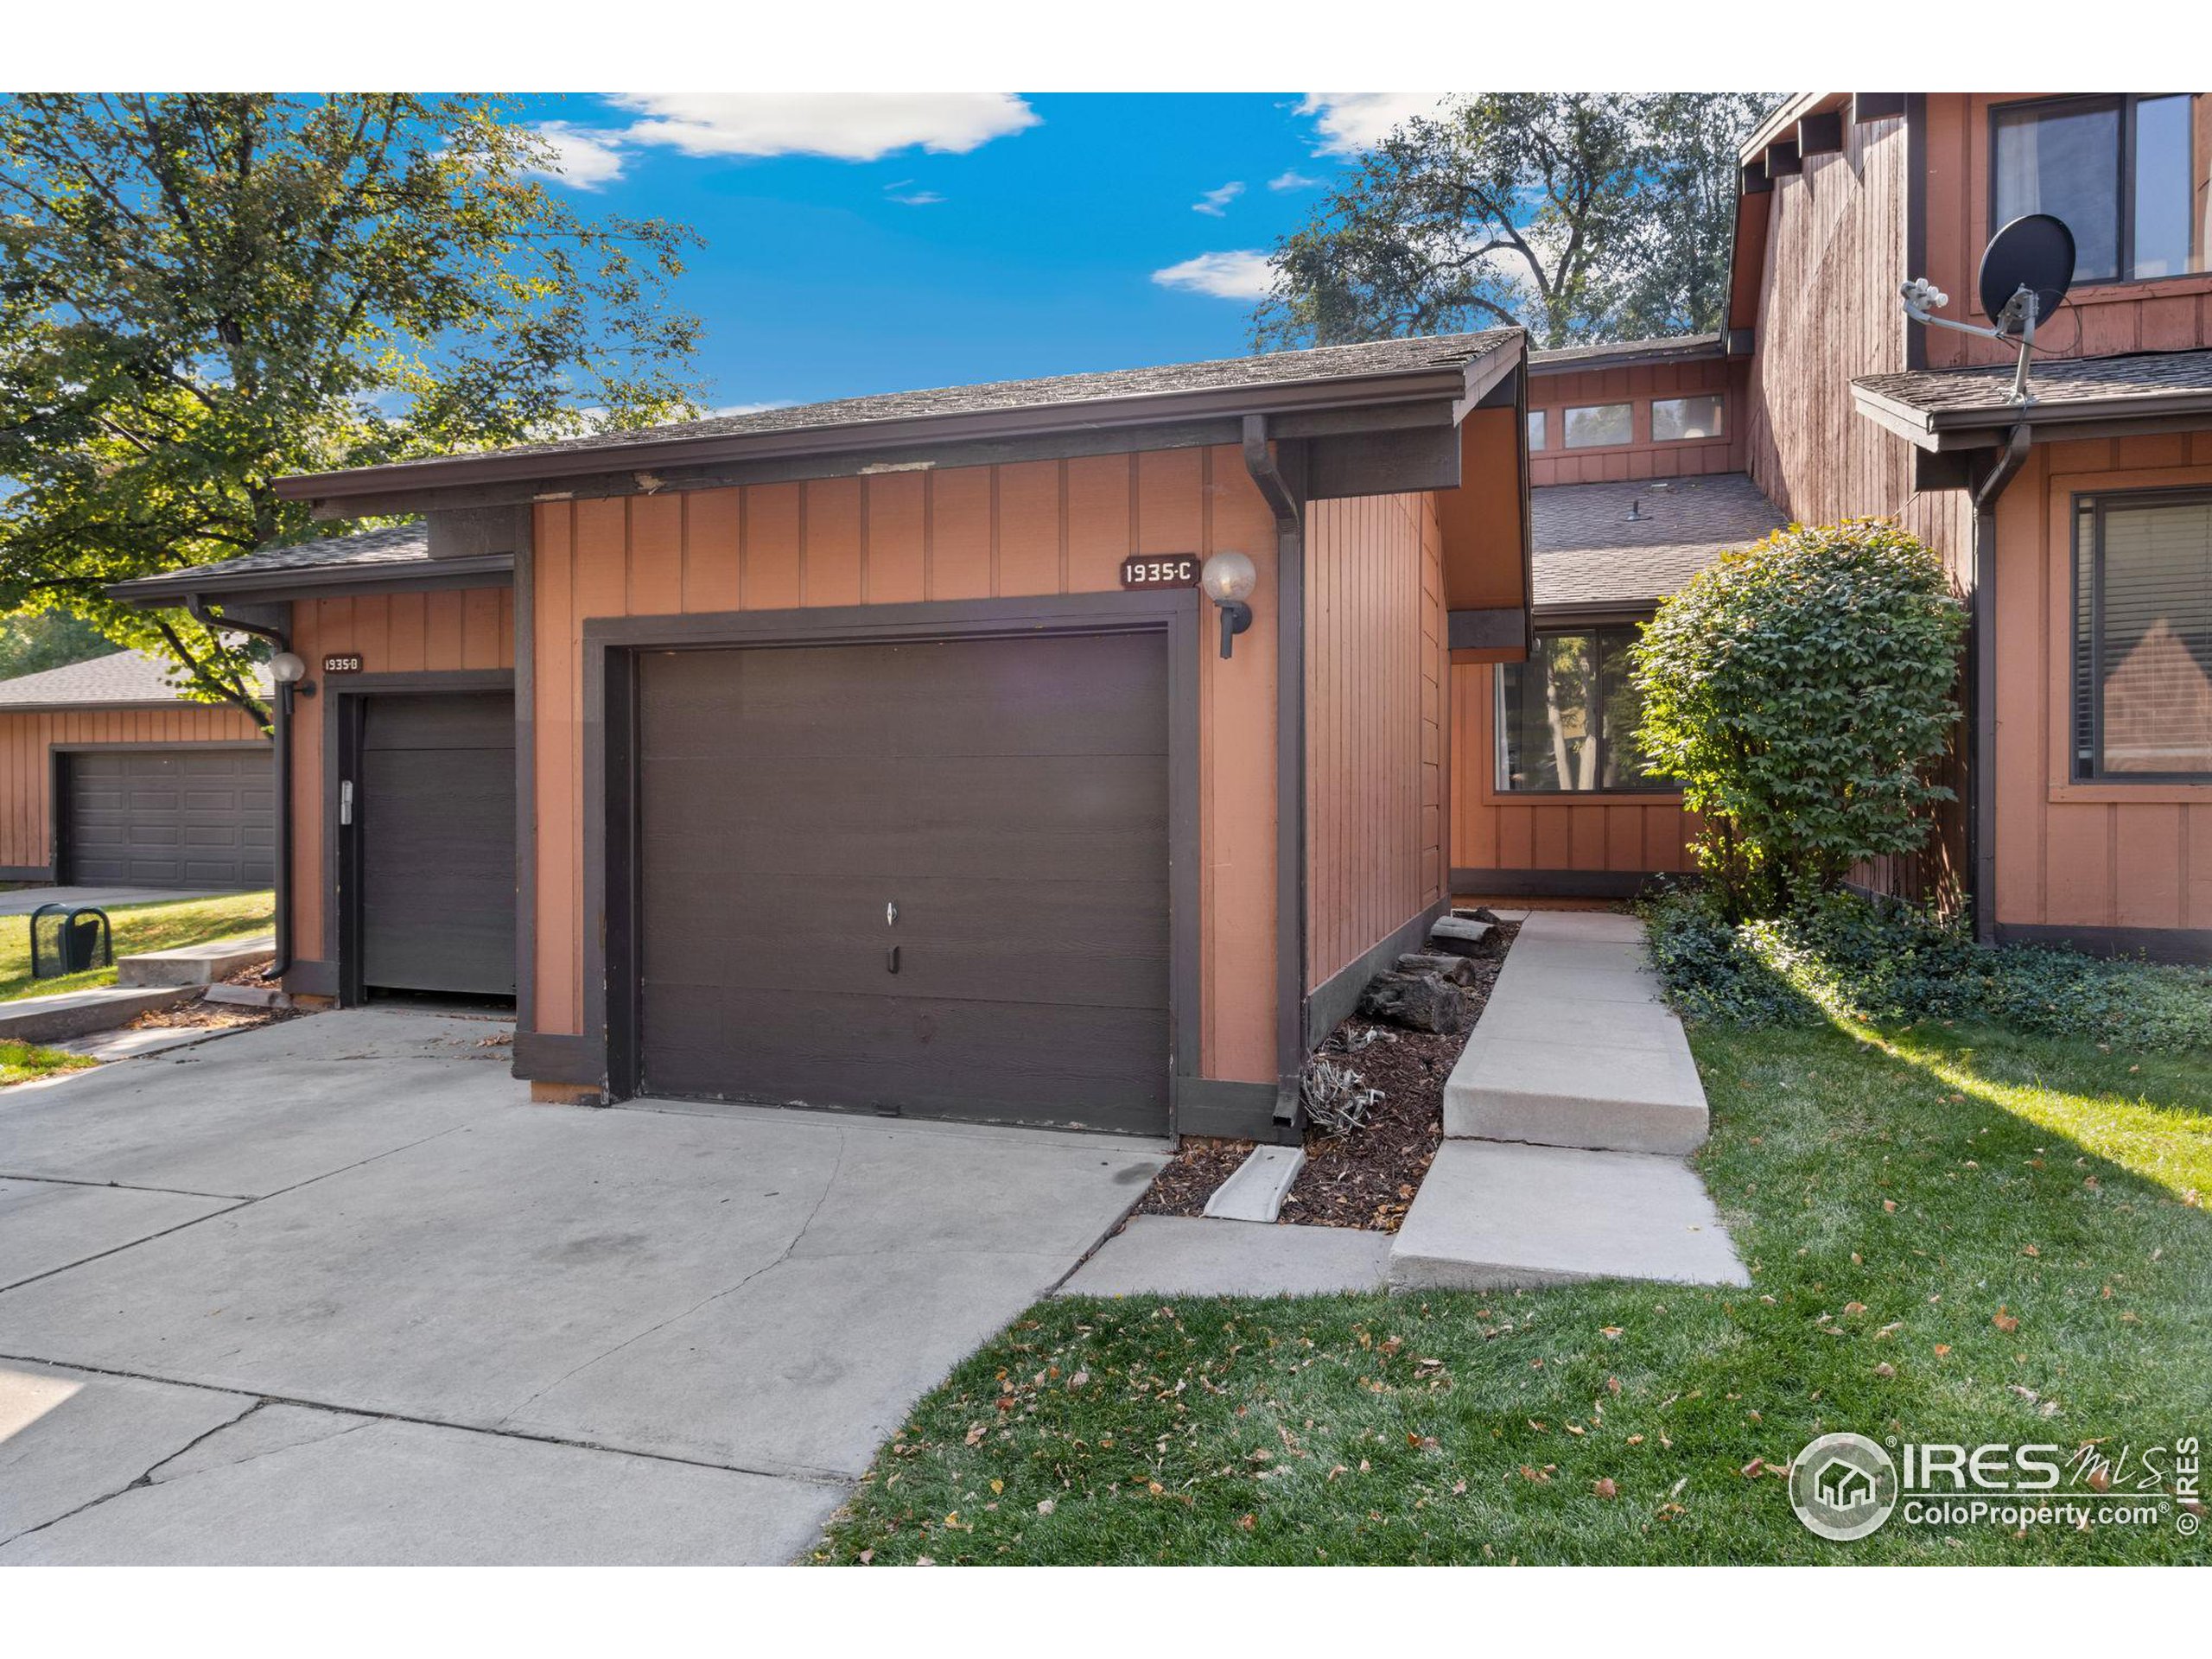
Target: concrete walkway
x=332, y=1291
x=28, y=900
x=1566, y=1119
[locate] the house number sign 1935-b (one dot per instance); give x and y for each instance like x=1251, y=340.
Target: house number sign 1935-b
x=348, y=664
x=1161, y=570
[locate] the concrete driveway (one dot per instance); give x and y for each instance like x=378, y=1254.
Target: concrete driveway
x=27, y=899
x=333, y=1291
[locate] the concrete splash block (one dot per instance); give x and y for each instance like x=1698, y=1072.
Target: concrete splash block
x=194, y=964
x=1491, y=1216
x=1255, y=1190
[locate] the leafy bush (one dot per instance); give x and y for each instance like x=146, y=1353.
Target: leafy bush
x=1800, y=690
x=1839, y=956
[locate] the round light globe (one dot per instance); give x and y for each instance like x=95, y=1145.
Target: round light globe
x=1229, y=578
x=287, y=668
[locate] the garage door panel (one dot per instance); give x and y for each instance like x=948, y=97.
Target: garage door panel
x=1011, y=797
x=434, y=804
x=1006, y=1062
x=169, y=817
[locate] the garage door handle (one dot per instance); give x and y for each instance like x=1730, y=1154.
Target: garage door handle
x=346, y=802
x=890, y=960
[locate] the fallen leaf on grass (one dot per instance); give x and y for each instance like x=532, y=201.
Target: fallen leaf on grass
x=2004, y=1321
x=1246, y=1522
x=975, y=1436
x=1604, y=1488
x=1046, y=1506
x=1886, y=1369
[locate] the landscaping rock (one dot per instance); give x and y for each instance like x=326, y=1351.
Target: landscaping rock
x=1417, y=1002
x=1451, y=969
x=1477, y=914
x=1457, y=936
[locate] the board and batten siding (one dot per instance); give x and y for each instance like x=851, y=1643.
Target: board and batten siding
x=1636, y=384
x=29, y=738
x=1595, y=834
x=1021, y=529
x=1375, y=657
x=437, y=631
x=2087, y=855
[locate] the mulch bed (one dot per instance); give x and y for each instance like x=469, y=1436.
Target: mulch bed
x=216, y=1016
x=1364, y=1179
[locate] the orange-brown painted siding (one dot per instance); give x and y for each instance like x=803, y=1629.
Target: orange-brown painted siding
x=1636, y=384
x=1617, y=835
x=1022, y=529
x=2082, y=854
x=2170, y=313
x=26, y=743
x=1375, y=659
x=393, y=633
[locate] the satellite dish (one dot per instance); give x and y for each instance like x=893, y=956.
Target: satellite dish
x=2034, y=253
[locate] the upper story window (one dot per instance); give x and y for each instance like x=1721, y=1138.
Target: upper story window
x=1536, y=429
x=1594, y=426
x=1673, y=419
x=1566, y=718
x=2143, y=636
x=2117, y=169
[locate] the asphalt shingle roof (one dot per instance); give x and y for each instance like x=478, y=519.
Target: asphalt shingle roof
x=2052, y=381
x=1271, y=368
x=1665, y=345
x=1587, y=551
x=126, y=678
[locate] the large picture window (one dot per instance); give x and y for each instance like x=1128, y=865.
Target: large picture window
x=2143, y=636
x=1566, y=718
x=2119, y=170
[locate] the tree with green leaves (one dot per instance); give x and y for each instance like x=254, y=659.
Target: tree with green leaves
x=1579, y=216
x=201, y=292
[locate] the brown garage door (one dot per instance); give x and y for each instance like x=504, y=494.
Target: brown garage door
x=993, y=811
x=167, y=818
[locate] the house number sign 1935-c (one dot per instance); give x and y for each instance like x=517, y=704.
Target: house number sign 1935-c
x=1161, y=570
x=348, y=664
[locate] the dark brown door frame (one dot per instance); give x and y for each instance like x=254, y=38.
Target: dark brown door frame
x=610, y=761
x=345, y=700
x=57, y=780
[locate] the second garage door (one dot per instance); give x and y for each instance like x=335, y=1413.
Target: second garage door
x=928, y=877
x=167, y=818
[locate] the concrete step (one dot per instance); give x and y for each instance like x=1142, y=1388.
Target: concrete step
x=72, y=1013
x=1255, y=1190
x=1188, y=1255
x=1491, y=1216
x=1560, y=1093
x=194, y=964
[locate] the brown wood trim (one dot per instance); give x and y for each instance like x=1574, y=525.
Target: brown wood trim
x=1233, y=1111
x=1880, y=106
x=333, y=581
x=1755, y=180
x=609, y=648
x=525, y=681
x=39, y=873
x=559, y=1057
x=1783, y=160
x=1820, y=134
x=1559, y=884
x=1501, y=628
x=2180, y=944
x=1914, y=107
x=341, y=705
x=311, y=977
x=1333, y=999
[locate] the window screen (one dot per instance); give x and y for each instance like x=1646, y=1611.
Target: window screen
x=2143, y=638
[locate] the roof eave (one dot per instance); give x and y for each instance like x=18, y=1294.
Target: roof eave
x=1462, y=384
x=488, y=570
x=1940, y=430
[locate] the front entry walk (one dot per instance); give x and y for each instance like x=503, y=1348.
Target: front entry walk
x=1566, y=1121
x=332, y=1291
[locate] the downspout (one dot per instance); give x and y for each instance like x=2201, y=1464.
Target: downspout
x=1981, y=663
x=281, y=736
x=1281, y=496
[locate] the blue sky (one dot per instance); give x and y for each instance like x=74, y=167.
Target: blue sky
x=858, y=244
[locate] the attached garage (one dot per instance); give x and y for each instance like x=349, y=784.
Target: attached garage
x=108, y=777
x=927, y=877
x=187, y=817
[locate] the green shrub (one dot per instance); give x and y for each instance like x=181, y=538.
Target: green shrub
x=1840, y=956
x=1801, y=690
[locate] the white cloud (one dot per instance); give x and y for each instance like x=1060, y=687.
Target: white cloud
x=847, y=126
x=913, y=198
x=1292, y=180
x=581, y=155
x=1346, y=123
x=1244, y=274
x=748, y=409
x=1214, y=202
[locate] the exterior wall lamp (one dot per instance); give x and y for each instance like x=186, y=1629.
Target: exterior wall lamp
x=1229, y=579
x=289, y=668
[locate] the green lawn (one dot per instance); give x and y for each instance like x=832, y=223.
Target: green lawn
x=1901, y=1200
x=137, y=928
x=20, y=1062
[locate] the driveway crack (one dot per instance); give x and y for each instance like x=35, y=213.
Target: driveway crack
x=144, y=1477
x=836, y=1166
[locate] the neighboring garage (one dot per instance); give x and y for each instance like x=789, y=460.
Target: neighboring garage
x=108, y=777
x=930, y=876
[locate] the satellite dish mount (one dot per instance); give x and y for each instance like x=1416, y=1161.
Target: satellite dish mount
x=2026, y=272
